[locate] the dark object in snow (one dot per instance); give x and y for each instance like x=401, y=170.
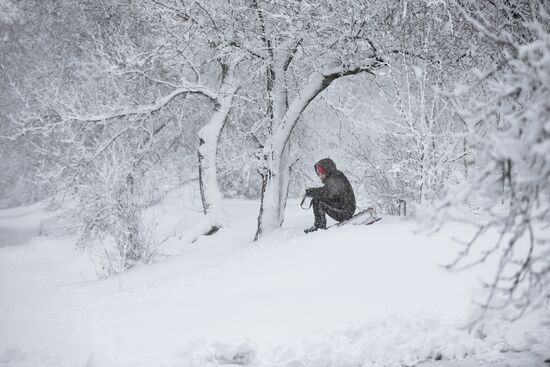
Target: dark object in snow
x=212, y=230
x=313, y=229
x=239, y=358
x=335, y=197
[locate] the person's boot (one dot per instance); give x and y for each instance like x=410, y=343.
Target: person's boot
x=314, y=228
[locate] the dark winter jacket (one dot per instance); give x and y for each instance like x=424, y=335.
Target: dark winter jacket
x=337, y=190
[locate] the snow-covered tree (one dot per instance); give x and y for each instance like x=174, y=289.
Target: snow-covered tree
x=421, y=145
x=511, y=124
x=130, y=81
x=305, y=47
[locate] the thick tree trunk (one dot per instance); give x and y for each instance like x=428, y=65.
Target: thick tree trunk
x=209, y=135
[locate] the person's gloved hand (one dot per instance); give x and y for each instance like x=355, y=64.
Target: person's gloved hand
x=309, y=192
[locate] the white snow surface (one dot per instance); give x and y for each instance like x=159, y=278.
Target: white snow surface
x=351, y=296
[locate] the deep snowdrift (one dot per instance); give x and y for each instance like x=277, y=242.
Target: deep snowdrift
x=350, y=296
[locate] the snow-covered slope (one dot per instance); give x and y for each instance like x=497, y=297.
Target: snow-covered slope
x=350, y=296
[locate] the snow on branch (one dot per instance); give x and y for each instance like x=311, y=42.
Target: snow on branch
x=147, y=109
x=511, y=124
x=319, y=81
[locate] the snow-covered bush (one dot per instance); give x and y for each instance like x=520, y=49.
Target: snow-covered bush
x=109, y=220
x=512, y=127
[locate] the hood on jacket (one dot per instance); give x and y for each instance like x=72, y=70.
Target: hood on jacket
x=327, y=164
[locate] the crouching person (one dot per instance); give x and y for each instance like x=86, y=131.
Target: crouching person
x=335, y=197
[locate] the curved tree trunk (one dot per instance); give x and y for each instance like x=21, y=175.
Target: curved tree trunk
x=209, y=135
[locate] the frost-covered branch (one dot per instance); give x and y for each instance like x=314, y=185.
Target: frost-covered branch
x=511, y=125
x=145, y=109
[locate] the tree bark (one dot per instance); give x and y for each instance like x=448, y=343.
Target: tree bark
x=209, y=135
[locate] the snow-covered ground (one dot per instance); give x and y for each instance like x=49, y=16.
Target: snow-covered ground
x=351, y=296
